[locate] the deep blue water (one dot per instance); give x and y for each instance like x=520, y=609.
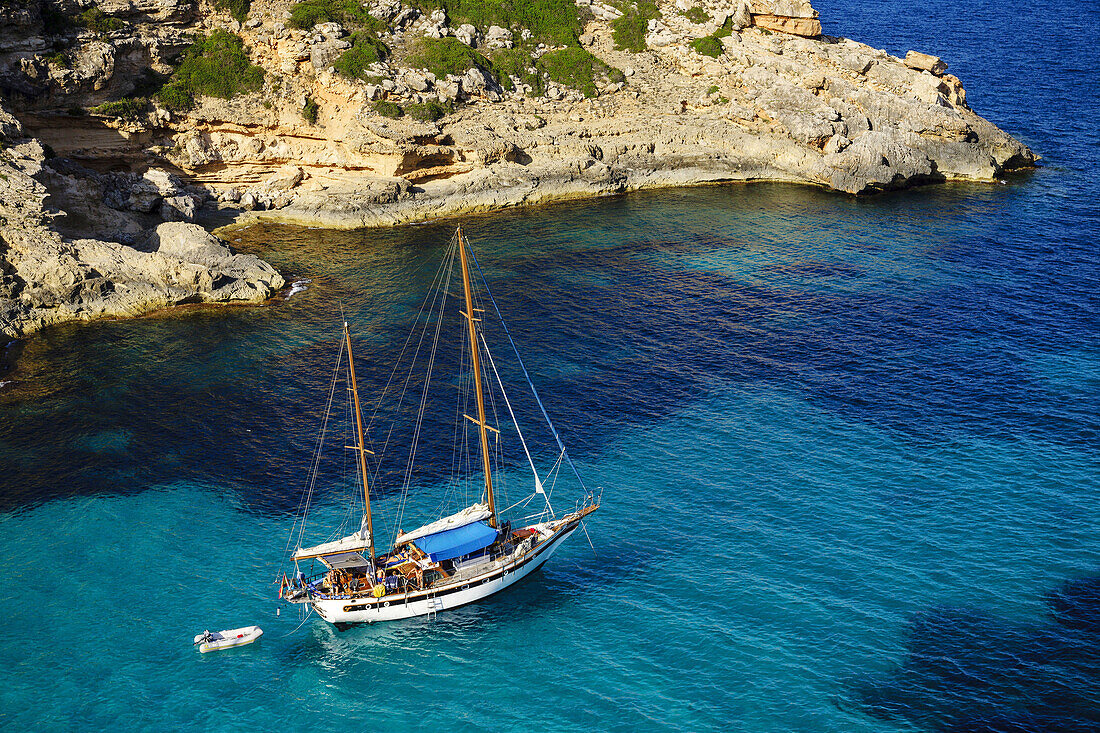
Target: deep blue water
x=848, y=449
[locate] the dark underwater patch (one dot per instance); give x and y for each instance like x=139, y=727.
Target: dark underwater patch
x=966, y=671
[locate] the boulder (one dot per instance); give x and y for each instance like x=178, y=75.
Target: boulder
x=925, y=62
x=498, y=37
x=178, y=208
x=741, y=17
x=287, y=178
x=468, y=35
x=807, y=27
x=794, y=17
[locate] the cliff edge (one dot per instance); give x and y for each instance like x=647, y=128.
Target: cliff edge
x=121, y=114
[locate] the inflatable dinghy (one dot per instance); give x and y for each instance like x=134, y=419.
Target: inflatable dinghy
x=212, y=641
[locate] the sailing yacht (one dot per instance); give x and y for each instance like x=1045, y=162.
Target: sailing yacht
x=455, y=559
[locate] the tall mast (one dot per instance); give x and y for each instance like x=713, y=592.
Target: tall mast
x=361, y=449
x=482, y=427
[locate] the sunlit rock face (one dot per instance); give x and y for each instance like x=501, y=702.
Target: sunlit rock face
x=723, y=90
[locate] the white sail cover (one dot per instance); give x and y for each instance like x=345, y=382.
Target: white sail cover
x=351, y=543
x=469, y=515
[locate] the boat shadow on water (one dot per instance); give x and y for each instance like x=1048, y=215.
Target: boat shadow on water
x=969, y=671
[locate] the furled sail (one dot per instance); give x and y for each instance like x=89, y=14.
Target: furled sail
x=469, y=515
x=352, y=543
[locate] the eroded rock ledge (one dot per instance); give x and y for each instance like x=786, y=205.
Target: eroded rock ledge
x=48, y=278
x=775, y=101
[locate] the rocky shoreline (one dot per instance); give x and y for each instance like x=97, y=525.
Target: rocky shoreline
x=98, y=188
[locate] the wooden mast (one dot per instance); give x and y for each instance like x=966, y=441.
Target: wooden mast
x=361, y=449
x=482, y=427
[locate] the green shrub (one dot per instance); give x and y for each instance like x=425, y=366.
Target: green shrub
x=388, y=109
x=509, y=62
x=577, y=68
x=725, y=30
x=629, y=31
x=365, y=50
x=712, y=89
x=96, y=20
x=446, y=56
x=237, y=8
x=427, y=112
x=697, y=15
x=130, y=108
x=214, y=66
x=708, y=46
x=176, y=95
x=554, y=22
x=350, y=13
x=59, y=59
x=310, y=111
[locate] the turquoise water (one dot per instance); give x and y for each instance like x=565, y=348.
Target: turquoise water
x=848, y=450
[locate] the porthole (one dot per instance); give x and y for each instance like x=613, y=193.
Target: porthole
x=386, y=604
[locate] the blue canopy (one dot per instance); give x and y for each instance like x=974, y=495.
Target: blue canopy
x=456, y=542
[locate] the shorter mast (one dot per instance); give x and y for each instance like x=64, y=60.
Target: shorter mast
x=482, y=426
x=361, y=448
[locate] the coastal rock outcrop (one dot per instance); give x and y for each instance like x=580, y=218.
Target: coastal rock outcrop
x=46, y=277
x=355, y=120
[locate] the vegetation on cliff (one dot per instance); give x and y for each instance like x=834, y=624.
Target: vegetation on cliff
x=131, y=108
x=629, y=31
x=308, y=13
x=365, y=50
x=427, y=112
x=554, y=22
x=708, y=46
x=509, y=62
x=575, y=67
x=237, y=8
x=444, y=56
x=214, y=66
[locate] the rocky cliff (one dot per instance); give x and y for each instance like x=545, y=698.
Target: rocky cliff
x=345, y=114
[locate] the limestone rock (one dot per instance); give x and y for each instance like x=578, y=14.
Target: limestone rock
x=925, y=62
x=468, y=34
x=876, y=160
x=323, y=55
x=498, y=37
x=287, y=178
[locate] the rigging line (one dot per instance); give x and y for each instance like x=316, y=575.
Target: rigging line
x=523, y=367
x=432, y=290
x=433, y=296
x=307, y=498
x=508, y=404
x=442, y=299
x=585, y=528
x=457, y=441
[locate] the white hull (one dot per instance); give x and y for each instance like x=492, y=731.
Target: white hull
x=433, y=600
x=218, y=640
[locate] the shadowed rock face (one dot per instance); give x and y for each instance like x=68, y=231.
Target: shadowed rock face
x=47, y=278
x=779, y=102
